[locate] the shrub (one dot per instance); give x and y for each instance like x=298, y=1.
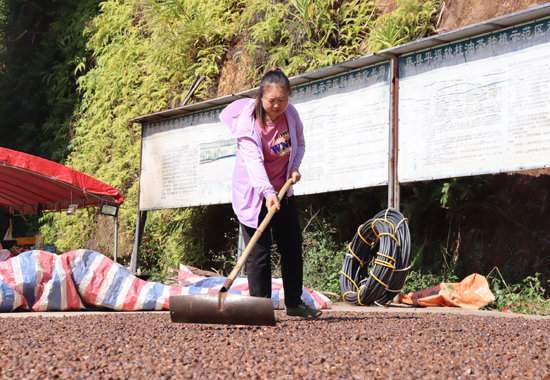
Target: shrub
x=323, y=257
x=524, y=298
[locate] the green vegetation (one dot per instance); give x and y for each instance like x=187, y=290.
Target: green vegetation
x=43, y=53
x=307, y=35
x=411, y=21
x=527, y=297
x=323, y=257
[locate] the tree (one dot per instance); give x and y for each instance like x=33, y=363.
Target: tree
x=42, y=53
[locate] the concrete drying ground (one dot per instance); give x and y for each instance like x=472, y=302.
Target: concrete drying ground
x=393, y=308
x=346, y=342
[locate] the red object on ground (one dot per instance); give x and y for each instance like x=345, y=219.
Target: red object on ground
x=28, y=181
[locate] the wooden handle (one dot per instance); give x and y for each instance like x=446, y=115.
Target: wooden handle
x=259, y=231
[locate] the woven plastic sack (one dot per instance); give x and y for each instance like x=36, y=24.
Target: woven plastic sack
x=471, y=293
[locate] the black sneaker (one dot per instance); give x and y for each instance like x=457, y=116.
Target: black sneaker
x=303, y=310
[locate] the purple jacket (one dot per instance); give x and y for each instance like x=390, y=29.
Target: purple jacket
x=250, y=182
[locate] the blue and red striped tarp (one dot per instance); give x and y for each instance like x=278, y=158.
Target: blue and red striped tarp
x=76, y=280
x=240, y=284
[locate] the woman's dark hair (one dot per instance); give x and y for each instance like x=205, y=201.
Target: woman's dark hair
x=273, y=77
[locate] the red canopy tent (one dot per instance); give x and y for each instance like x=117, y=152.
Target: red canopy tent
x=29, y=184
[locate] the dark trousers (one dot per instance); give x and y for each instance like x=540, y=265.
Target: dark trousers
x=285, y=226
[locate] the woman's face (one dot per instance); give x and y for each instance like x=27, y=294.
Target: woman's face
x=274, y=101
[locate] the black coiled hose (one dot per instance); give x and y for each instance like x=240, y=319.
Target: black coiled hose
x=390, y=260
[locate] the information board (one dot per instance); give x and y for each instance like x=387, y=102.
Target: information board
x=476, y=106
x=189, y=160
x=186, y=161
x=346, y=128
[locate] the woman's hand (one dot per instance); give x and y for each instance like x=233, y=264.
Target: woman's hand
x=272, y=200
x=295, y=175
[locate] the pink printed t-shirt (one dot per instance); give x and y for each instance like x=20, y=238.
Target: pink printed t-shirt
x=276, y=149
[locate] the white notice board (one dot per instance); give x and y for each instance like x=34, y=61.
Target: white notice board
x=476, y=106
x=186, y=161
x=189, y=160
x=346, y=128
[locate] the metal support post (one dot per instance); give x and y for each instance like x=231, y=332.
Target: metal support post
x=140, y=224
x=116, y=238
x=133, y=260
x=393, y=180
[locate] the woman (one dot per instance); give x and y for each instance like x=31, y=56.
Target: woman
x=271, y=146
